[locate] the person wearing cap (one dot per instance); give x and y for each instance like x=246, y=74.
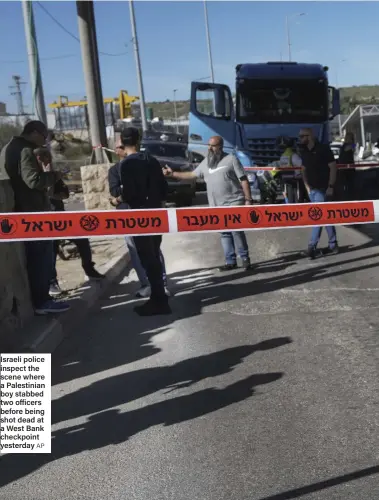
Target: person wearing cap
x=115, y=189
x=144, y=187
x=30, y=186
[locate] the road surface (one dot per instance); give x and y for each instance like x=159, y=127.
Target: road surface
x=261, y=386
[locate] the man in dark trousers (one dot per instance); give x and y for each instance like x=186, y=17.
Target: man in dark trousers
x=30, y=185
x=346, y=177
x=319, y=175
x=144, y=187
x=57, y=194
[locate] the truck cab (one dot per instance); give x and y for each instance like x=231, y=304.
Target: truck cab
x=271, y=99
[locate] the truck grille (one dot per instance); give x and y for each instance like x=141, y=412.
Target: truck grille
x=263, y=151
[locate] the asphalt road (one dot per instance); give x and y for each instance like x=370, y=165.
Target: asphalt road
x=261, y=386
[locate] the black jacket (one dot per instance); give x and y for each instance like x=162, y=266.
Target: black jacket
x=61, y=189
x=139, y=179
x=346, y=157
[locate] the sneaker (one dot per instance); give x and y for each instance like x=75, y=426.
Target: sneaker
x=312, y=253
x=55, y=289
x=151, y=308
x=144, y=292
x=246, y=264
x=94, y=275
x=228, y=267
x=52, y=307
x=332, y=250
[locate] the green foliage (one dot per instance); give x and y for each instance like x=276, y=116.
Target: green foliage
x=351, y=97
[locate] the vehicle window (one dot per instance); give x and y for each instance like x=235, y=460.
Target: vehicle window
x=292, y=101
x=205, y=103
x=168, y=150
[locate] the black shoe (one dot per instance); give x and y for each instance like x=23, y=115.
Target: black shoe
x=332, y=250
x=228, y=267
x=312, y=253
x=246, y=264
x=92, y=274
x=152, y=308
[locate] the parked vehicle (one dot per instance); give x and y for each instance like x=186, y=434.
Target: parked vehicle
x=175, y=155
x=271, y=100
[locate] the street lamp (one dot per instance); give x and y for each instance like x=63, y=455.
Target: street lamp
x=138, y=66
x=337, y=85
x=288, y=18
x=208, y=41
x=175, y=111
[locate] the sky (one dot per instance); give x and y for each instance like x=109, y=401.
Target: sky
x=173, y=46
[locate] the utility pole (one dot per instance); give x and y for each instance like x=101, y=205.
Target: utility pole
x=34, y=66
x=138, y=65
x=99, y=90
x=18, y=93
x=176, y=112
x=208, y=41
x=288, y=18
x=288, y=38
x=90, y=60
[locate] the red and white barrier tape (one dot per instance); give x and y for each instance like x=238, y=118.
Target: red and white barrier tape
x=351, y=166
x=116, y=223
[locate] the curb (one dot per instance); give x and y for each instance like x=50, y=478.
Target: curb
x=56, y=330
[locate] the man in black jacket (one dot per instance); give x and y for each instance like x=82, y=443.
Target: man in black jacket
x=143, y=187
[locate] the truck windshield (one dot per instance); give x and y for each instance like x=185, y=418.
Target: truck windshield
x=282, y=101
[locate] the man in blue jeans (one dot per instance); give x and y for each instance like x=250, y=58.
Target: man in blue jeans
x=227, y=185
x=115, y=187
x=319, y=174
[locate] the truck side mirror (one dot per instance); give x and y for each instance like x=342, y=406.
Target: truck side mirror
x=220, y=102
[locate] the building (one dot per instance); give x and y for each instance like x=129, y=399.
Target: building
x=363, y=121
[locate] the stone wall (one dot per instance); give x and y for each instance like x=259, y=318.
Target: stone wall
x=15, y=305
x=95, y=186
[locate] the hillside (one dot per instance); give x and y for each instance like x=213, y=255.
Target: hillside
x=350, y=98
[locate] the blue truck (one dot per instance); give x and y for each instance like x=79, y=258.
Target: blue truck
x=271, y=99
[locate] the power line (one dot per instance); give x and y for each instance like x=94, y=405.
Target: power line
x=71, y=34
x=53, y=58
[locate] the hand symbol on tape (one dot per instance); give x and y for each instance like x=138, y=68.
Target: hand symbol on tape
x=6, y=226
x=254, y=216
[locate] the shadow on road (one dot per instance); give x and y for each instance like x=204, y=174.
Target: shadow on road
x=84, y=354
x=113, y=427
x=120, y=389
x=323, y=485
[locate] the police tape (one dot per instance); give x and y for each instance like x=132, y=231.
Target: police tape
x=351, y=166
x=116, y=223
